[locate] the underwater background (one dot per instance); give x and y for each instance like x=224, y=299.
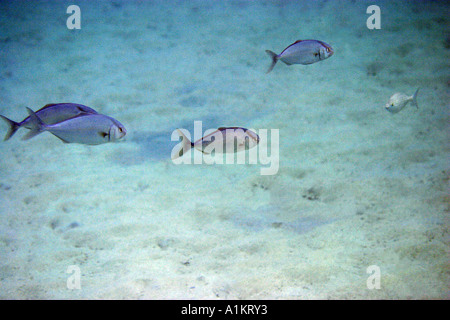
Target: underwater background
x=357, y=186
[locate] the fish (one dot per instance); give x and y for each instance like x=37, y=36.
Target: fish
x=399, y=100
x=50, y=114
x=222, y=140
x=91, y=129
x=302, y=52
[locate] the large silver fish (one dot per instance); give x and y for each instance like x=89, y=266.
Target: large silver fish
x=302, y=52
x=85, y=129
x=49, y=114
x=223, y=140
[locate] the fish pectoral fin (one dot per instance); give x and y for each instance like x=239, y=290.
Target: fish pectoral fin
x=103, y=134
x=63, y=140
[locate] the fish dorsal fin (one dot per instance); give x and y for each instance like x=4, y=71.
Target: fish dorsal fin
x=298, y=41
x=49, y=105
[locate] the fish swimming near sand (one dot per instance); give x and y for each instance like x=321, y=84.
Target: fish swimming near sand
x=223, y=140
x=399, y=100
x=91, y=129
x=49, y=114
x=302, y=52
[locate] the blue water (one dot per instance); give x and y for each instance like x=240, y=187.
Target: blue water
x=356, y=186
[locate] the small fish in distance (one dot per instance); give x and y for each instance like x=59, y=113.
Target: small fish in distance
x=223, y=140
x=302, y=52
x=89, y=129
x=399, y=100
x=49, y=114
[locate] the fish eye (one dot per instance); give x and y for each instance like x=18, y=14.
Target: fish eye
x=120, y=130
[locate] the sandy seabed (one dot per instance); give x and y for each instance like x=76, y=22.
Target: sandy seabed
x=356, y=186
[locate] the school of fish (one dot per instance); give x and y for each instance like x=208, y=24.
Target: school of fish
x=77, y=123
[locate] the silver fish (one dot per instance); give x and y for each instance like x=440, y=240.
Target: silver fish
x=89, y=129
x=49, y=114
x=399, y=100
x=302, y=52
x=223, y=140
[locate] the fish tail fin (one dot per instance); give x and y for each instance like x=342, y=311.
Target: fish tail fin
x=414, y=99
x=274, y=57
x=13, y=127
x=183, y=147
x=37, y=126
